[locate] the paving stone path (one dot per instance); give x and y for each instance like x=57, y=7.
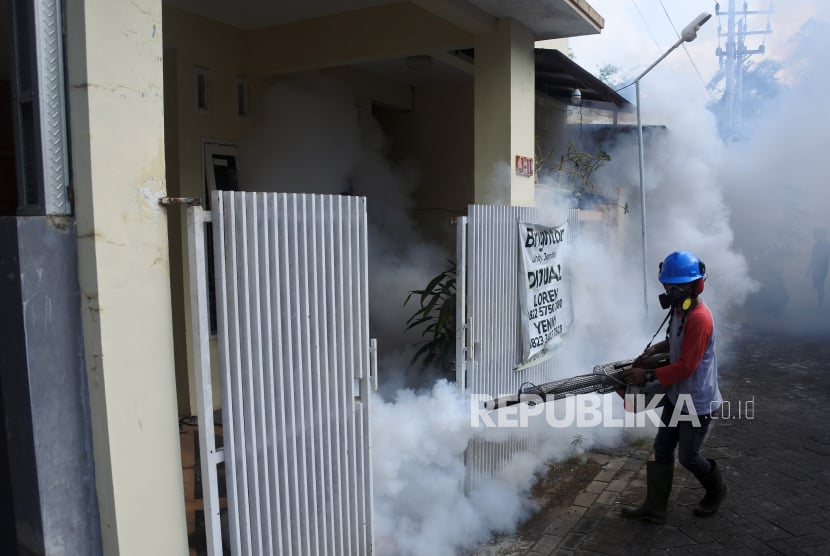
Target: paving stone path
x=774, y=453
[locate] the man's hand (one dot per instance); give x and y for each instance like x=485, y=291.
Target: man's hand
x=635, y=376
x=641, y=360
x=652, y=350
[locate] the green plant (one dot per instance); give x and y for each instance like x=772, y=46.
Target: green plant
x=436, y=314
x=575, y=171
x=578, y=167
x=577, y=454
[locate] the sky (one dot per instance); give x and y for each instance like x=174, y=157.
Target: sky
x=638, y=32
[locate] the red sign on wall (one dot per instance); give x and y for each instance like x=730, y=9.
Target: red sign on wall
x=524, y=165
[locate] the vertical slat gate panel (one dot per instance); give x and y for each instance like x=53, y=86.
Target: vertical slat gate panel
x=236, y=388
x=344, y=385
x=350, y=338
x=297, y=370
x=492, y=305
x=273, y=405
x=294, y=358
x=258, y=431
x=364, y=450
x=303, y=320
x=334, y=284
x=226, y=382
x=282, y=392
x=294, y=497
x=321, y=402
x=248, y=371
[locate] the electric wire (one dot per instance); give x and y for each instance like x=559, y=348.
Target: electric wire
x=659, y=48
x=648, y=27
x=686, y=50
x=651, y=34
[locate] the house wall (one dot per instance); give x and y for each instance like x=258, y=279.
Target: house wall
x=437, y=135
x=193, y=42
x=551, y=141
x=378, y=33
x=554, y=44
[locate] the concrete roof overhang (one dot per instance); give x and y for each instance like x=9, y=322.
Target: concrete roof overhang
x=547, y=19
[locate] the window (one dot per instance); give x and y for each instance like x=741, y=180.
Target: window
x=202, y=88
x=220, y=174
x=242, y=97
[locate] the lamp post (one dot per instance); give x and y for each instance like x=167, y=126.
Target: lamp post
x=688, y=34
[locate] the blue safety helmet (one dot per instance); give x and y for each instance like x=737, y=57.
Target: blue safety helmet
x=681, y=267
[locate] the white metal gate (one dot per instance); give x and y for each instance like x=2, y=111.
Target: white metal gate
x=296, y=363
x=488, y=317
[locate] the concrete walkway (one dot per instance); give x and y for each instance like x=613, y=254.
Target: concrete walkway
x=774, y=454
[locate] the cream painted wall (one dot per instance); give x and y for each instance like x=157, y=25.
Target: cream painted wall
x=190, y=42
x=522, y=110
x=555, y=44
x=382, y=32
x=451, y=164
x=438, y=136
x=193, y=42
x=114, y=52
x=504, y=114
x=363, y=84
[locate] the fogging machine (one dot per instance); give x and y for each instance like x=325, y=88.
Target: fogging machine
x=605, y=378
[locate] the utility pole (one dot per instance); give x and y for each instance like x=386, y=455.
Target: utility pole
x=735, y=54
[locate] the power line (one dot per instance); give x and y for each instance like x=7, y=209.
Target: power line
x=686, y=50
x=645, y=22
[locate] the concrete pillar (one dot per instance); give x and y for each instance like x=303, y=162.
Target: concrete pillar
x=504, y=113
x=114, y=52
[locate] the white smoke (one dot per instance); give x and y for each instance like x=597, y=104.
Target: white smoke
x=421, y=505
x=685, y=198
x=749, y=208
x=777, y=185
x=315, y=137
x=308, y=140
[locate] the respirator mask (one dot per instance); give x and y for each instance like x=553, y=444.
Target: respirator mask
x=676, y=297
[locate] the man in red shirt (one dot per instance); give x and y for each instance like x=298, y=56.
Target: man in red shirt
x=692, y=394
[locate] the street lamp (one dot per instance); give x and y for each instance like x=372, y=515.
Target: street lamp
x=688, y=34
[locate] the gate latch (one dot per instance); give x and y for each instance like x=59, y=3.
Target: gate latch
x=189, y=201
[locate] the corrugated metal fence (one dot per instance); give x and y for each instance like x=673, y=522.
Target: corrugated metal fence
x=489, y=337
x=296, y=363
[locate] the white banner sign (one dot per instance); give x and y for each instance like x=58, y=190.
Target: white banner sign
x=543, y=290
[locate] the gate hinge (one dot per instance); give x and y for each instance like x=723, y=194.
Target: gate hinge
x=189, y=201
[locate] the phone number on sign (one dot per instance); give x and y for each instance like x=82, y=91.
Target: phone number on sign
x=544, y=310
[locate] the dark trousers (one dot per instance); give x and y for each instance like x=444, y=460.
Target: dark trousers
x=686, y=437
